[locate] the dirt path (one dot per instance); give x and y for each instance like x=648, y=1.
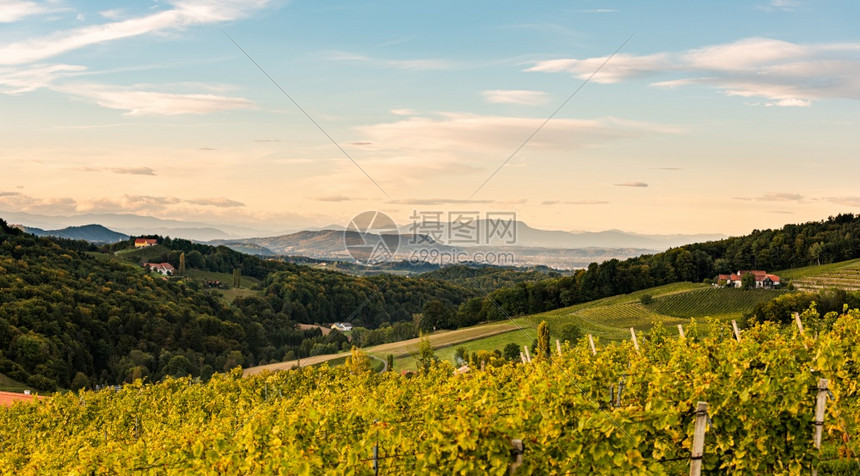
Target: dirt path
x=438, y=339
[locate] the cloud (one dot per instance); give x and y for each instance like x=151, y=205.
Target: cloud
x=436, y=201
x=775, y=197
x=588, y=202
x=23, y=80
x=515, y=96
x=408, y=65
x=499, y=134
x=135, y=100
x=786, y=74
x=337, y=198
x=138, y=102
x=206, y=148
x=845, y=200
x=120, y=170
x=216, y=202
x=184, y=13
x=13, y=10
x=632, y=184
x=403, y=112
x=575, y=202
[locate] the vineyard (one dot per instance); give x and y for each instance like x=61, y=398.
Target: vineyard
x=611, y=318
x=842, y=275
x=618, y=410
x=712, y=302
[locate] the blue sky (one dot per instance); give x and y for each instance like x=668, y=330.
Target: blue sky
x=713, y=117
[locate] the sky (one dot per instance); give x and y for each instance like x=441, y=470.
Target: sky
x=652, y=117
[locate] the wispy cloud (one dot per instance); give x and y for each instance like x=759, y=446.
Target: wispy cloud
x=404, y=64
x=120, y=170
x=137, y=102
x=784, y=73
x=775, y=197
x=452, y=131
x=587, y=202
x=14, y=10
x=515, y=96
x=850, y=201
x=436, y=201
x=338, y=198
x=632, y=184
x=184, y=13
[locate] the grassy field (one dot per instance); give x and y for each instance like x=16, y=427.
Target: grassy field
x=225, y=278
x=9, y=385
x=143, y=254
x=520, y=337
x=843, y=275
x=611, y=318
x=439, y=340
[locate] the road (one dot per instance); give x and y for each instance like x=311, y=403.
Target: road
x=438, y=340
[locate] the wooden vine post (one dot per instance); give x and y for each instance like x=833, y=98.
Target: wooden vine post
x=797, y=321
x=699, y=439
x=523, y=357
x=516, y=455
x=558, y=346
x=737, y=332
x=681, y=331
x=635, y=342
x=820, y=402
x=591, y=341
x=528, y=355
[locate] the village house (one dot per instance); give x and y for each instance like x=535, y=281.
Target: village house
x=165, y=269
x=144, y=242
x=762, y=279
x=342, y=326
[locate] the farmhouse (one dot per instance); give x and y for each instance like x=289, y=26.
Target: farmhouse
x=166, y=269
x=144, y=242
x=762, y=279
x=342, y=326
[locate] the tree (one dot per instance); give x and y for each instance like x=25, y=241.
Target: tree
x=570, y=333
x=181, y=270
x=460, y=354
x=511, y=351
x=426, y=357
x=646, y=299
x=543, y=351
x=237, y=278
x=748, y=281
x=389, y=360
x=358, y=361
x=815, y=252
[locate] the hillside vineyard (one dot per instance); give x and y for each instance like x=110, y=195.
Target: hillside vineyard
x=618, y=411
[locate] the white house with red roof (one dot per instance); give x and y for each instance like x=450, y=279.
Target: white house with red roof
x=762, y=279
x=165, y=269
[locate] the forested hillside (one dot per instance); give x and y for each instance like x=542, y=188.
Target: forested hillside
x=73, y=318
x=834, y=239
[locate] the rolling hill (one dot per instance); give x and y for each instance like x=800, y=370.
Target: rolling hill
x=91, y=233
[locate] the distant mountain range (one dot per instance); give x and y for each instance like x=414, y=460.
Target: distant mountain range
x=529, y=246
x=533, y=237
x=91, y=233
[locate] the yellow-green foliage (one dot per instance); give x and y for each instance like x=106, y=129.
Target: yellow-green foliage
x=327, y=420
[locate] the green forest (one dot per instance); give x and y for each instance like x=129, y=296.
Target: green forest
x=73, y=315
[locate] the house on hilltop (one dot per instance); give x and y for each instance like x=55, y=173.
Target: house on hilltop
x=144, y=242
x=762, y=279
x=166, y=269
x=342, y=326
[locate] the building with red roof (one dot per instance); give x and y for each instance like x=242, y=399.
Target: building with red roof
x=762, y=279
